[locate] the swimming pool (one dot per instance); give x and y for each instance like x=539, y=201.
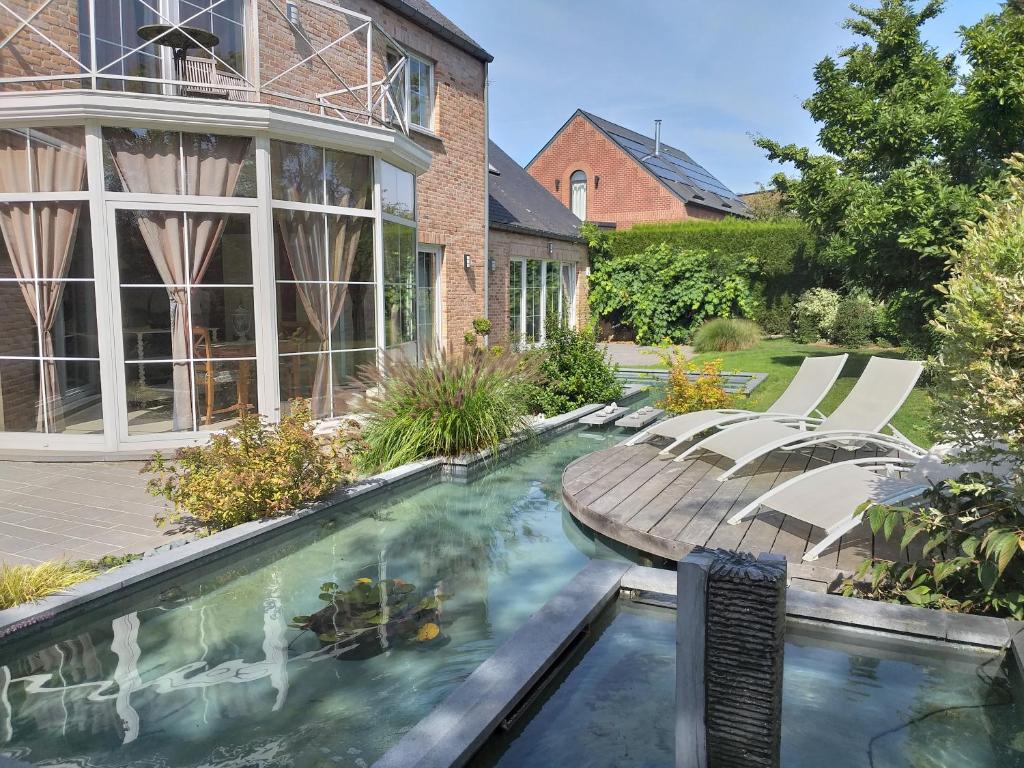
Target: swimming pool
x=205, y=670
x=849, y=701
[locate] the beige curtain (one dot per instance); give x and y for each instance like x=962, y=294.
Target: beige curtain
x=57, y=159
x=314, y=257
x=212, y=166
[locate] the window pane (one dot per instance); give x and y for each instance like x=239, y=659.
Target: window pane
x=397, y=191
x=45, y=240
x=351, y=249
x=223, y=389
x=146, y=320
x=552, y=272
x=349, y=180
x=299, y=245
x=74, y=325
x=58, y=159
x=533, y=308
x=142, y=160
x=296, y=332
x=397, y=88
x=219, y=166
x=356, y=328
x=20, y=337
x=400, y=317
x=350, y=369
x=150, y=396
x=399, y=254
x=79, y=403
x=140, y=231
x=14, y=156
x=297, y=172
x=221, y=245
x=19, y=395
x=228, y=315
x=568, y=291
x=297, y=374
x=515, y=293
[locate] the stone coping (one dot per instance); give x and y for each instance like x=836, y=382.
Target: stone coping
x=164, y=561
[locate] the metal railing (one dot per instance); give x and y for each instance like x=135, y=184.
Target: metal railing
x=360, y=70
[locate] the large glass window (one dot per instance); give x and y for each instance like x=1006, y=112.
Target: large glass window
x=148, y=161
x=400, y=289
x=578, y=194
x=413, y=93
x=49, y=356
x=187, y=318
x=326, y=289
x=538, y=290
x=397, y=192
x=427, y=268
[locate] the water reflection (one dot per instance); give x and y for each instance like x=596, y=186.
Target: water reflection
x=209, y=672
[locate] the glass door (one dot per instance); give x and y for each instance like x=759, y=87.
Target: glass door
x=428, y=267
x=186, y=316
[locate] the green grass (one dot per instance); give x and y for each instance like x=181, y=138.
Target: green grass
x=780, y=359
x=25, y=583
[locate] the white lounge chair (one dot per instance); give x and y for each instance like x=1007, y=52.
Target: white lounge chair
x=858, y=421
x=808, y=388
x=831, y=497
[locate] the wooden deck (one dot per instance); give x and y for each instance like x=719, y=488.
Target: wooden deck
x=667, y=508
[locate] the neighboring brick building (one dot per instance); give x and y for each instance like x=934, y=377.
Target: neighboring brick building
x=609, y=174
x=538, y=260
x=186, y=233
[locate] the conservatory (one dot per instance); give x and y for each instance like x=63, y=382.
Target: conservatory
x=177, y=246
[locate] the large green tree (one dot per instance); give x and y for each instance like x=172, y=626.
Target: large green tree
x=910, y=144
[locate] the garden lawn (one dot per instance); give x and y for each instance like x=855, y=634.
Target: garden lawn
x=780, y=359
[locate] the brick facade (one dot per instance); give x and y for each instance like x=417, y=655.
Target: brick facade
x=627, y=193
x=505, y=246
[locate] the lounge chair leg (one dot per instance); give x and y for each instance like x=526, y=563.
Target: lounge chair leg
x=637, y=437
x=688, y=452
x=736, y=467
x=666, y=452
x=746, y=512
x=834, y=534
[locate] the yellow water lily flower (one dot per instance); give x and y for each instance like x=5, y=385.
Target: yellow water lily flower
x=428, y=632
x=364, y=580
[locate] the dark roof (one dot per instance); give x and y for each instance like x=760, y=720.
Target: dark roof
x=677, y=171
x=427, y=16
x=518, y=203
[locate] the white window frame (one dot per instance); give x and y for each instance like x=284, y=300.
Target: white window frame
x=438, y=253
x=411, y=57
x=562, y=310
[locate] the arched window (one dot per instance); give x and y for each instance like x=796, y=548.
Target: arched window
x=578, y=199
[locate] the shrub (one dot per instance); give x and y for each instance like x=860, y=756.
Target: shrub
x=449, y=405
x=665, y=292
x=251, y=471
x=24, y=583
x=855, y=320
x=694, y=388
x=814, y=316
x=726, y=335
x=973, y=530
x=777, y=318
x=574, y=371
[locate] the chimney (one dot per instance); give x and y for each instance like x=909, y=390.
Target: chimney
x=657, y=138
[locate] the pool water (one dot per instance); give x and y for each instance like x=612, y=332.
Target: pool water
x=849, y=701
x=206, y=671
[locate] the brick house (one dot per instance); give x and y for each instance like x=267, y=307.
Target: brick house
x=226, y=204
x=538, y=262
x=611, y=175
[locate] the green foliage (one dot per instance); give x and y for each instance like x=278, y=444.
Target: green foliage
x=481, y=326
x=253, y=470
x=908, y=145
x=979, y=377
x=574, y=371
x=971, y=540
x=726, y=334
x=451, y=404
x=469, y=338
x=855, y=321
x=664, y=292
x=693, y=387
x=777, y=319
x=598, y=242
x=25, y=583
x=814, y=315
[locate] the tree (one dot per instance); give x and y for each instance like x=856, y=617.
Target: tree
x=910, y=146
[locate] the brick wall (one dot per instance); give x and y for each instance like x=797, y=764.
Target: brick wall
x=627, y=193
x=29, y=55
x=505, y=246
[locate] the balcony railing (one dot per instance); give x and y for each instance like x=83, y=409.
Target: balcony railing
x=306, y=54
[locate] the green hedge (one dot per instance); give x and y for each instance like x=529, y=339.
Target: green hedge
x=782, y=253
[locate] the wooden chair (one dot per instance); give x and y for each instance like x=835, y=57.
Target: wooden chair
x=202, y=354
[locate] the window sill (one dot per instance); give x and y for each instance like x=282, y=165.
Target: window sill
x=423, y=131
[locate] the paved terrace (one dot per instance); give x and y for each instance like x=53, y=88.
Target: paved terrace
x=53, y=511
x=666, y=508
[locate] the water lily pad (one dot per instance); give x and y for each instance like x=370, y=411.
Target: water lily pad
x=428, y=631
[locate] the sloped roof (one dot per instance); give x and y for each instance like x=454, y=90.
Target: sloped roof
x=427, y=16
x=517, y=202
x=674, y=169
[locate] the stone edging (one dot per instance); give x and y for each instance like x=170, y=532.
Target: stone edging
x=31, y=616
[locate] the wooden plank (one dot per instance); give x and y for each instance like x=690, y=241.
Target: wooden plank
x=646, y=493
x=629, y=485
x=761, y=535
x=729, y=536
x=645, y=519
x=610, y=458
x=683, y=510
x=611, y=479
x=713, y=513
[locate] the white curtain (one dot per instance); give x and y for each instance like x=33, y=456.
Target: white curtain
x=579, y=199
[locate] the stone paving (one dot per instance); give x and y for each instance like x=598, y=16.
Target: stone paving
x=629, y=355
x=76, y=511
